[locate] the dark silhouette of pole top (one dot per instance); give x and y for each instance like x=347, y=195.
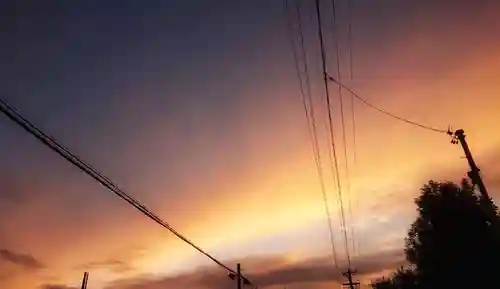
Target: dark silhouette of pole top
x=459, y=137
x=350, y=284
x=85, y=280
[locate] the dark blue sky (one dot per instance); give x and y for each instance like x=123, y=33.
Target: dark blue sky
x=155, y=94
x=87, y=70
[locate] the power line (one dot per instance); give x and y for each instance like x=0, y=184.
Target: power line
x=351, y=77
x=342, y=117
x=315, y=136
x=353, y=116
x=306, y=70
x=386, y=112
x=53, y=144
x=330, y=122
x=308, y=105
x=304, y=98
x=349, y=39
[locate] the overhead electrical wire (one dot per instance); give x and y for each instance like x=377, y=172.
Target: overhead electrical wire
x=315, y=135
x=53, y=144
x=351, y=77
x=306, y=102
x=336, y=36
x=330, y=124
x=308, y=106
x=349, y=39
x=362, y=100
x=355, y=242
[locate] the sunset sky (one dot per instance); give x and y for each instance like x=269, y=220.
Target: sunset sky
x=194, y=108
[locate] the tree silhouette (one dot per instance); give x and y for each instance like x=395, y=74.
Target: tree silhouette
x=402, y=278
x=453, y=243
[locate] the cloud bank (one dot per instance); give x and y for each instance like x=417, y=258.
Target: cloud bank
x=264, y=272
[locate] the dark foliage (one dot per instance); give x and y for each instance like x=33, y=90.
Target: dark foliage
x=453, y=243
x=402, y=278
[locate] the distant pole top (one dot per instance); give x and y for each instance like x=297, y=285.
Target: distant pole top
x=459, y=132
x=85, y=280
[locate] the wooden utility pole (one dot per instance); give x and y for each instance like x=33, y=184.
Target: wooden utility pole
x=238, y=275
x=240, y=280
x=85, y=279
x=350, y=284
x=459, y=137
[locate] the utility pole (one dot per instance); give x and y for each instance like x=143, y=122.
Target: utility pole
x=459, y=137
x=85, y=279
x=238, y=275
x=239, y=278
x=350, y=284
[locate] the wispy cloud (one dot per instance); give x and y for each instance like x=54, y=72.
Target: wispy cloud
x=24, y=260
x=55, y=286
x=115, y=265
